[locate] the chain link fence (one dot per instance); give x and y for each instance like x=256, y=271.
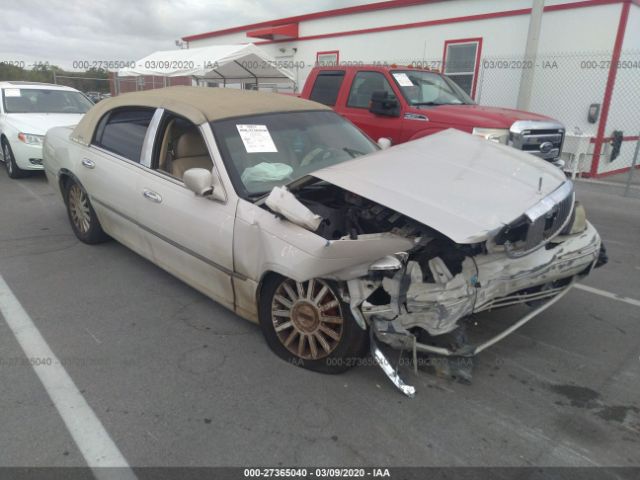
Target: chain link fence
x=119, y=85
x=567, y=87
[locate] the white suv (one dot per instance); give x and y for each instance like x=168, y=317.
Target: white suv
x=27, y=111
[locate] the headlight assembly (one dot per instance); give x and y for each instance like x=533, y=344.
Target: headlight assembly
x=498, y=135
x=30, y=139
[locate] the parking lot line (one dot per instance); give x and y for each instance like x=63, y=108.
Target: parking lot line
x=93, y=441
x=613, y=296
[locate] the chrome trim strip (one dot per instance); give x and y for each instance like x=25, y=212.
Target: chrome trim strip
x=551, y=200
x=149, y=138
x=534, y=136
x=171, y=242
x=216, y=157
x=416, y=116
x=563, y=198
x=520, y=126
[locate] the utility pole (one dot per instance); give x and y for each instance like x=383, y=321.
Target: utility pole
x=530, y=55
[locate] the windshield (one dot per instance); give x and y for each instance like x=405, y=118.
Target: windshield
x=427, y=88
x=32, y=100
x=265, y=151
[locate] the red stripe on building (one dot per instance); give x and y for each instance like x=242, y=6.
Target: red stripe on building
x=371, y=7
x=393, y=4
x=608, y=91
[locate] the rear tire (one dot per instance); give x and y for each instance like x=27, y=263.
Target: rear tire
x=10, y=163
x=84, y=221
x=313, y=330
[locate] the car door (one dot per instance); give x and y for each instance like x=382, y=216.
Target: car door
x=356, y=106
x=190, y=236
x=109, y=170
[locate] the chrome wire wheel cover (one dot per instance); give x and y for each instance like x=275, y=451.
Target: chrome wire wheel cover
x=79, y=209
x=307, y=318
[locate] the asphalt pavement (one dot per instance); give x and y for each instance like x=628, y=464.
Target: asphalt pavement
x=177, y=380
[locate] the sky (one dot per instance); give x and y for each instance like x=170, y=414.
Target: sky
x=62, y=32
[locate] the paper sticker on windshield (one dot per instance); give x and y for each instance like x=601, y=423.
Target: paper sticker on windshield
x=403, y=80
x=256, y=138
x=11, y=92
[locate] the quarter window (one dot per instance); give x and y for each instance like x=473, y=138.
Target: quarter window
x=326, y=87
x=122, y=132
x=363, y=87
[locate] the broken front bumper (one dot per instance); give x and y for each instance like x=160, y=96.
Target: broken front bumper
x=486, y=282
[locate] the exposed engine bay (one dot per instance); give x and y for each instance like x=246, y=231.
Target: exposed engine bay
x=410, y=299
x=347, y=215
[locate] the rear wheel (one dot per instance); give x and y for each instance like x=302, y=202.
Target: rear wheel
x=10, y=162
x=84, y=222
x=306, y=323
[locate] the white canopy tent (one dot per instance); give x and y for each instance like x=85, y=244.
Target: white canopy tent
x=226, y=64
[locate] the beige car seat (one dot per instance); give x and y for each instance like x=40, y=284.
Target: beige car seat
x=190, y=152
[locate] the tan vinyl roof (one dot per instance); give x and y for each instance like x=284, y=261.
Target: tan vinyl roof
x=197, y=104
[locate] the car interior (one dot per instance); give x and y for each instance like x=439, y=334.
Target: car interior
x=182, y=147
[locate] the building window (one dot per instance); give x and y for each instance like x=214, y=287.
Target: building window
x=327, y=86
x=327, y=59
x=460, y=60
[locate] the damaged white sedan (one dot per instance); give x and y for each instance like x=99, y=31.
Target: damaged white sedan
x=284, y=212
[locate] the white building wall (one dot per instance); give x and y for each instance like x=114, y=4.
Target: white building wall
x=409, y=14
x=502, y=37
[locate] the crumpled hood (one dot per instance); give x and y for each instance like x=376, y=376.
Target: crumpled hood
x=39, y=123
x=461, y=185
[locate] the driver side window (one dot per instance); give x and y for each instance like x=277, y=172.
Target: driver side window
x=179, y=147
x=363, y=86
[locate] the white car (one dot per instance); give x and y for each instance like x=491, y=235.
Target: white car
x=284, y=212
x=27, y=111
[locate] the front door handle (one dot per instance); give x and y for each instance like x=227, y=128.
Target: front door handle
x=151, y=195
x=88, y=163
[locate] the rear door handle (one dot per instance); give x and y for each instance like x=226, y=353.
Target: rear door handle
x=151, y=195
x=88, y=163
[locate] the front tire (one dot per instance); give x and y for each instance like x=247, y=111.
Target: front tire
x=84, y=221
x=308, y=325
x=10, y=162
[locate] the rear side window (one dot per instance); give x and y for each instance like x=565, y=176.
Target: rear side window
x=326, y=87
x=122, y=132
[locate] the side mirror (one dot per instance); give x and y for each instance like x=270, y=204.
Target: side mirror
x=381, y=104
x=384, y=143
x=201, y=182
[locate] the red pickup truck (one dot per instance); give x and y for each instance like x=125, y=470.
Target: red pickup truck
x=404, y=103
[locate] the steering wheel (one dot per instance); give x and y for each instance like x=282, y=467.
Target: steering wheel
x=320, y=153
